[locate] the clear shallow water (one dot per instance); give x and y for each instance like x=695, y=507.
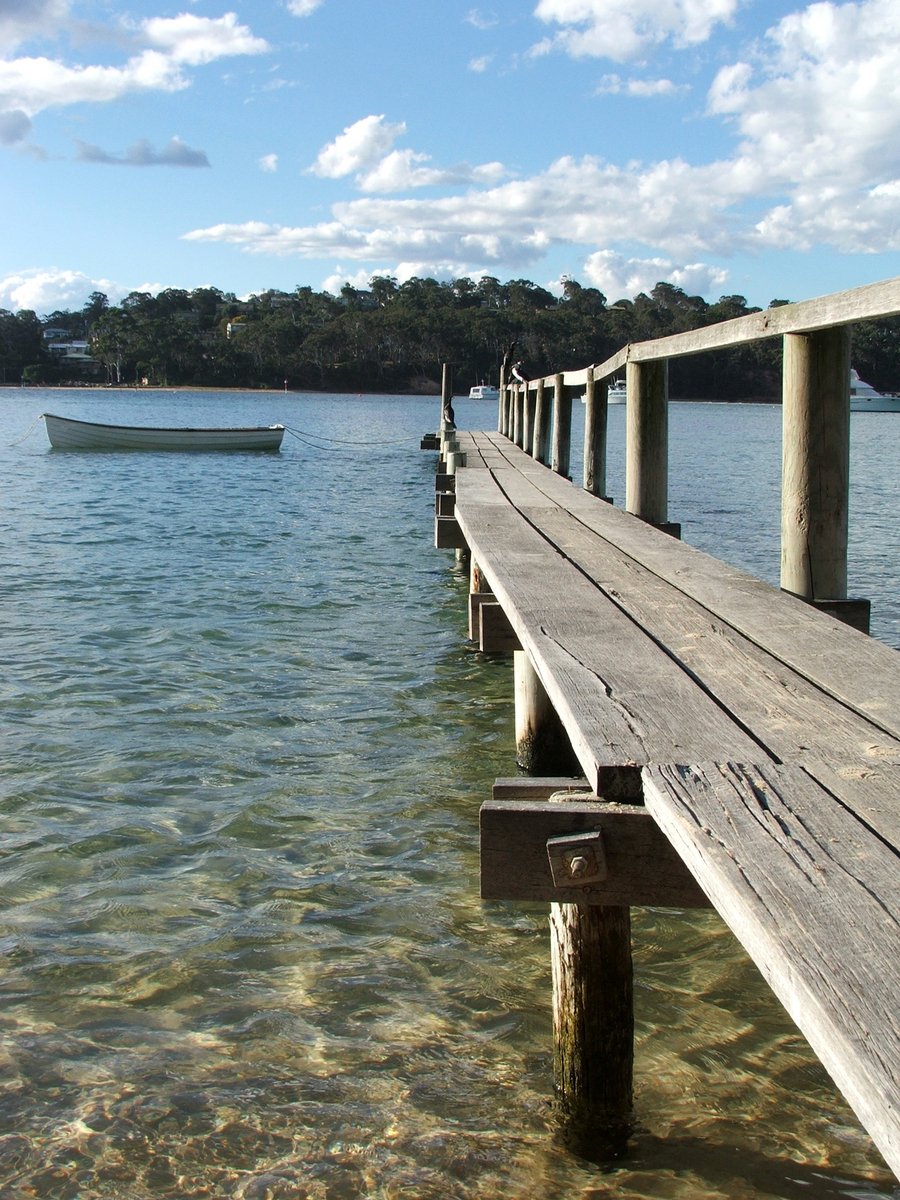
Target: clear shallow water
x=243, y=749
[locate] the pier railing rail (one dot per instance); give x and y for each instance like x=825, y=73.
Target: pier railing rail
x=536, y=415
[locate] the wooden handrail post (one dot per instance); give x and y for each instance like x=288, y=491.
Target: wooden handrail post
x=815, y=463
x=596, y=412
x=520, y=414
x=528, y=421
x=447, y=420
x=562, y=427
x=539, y=445
x=647, y=441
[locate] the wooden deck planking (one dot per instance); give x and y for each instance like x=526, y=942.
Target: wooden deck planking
x=855, y=669
x=650, y=650
x=607, y=701
x=791, y=719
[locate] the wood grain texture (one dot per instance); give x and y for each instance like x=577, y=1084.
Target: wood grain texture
x=815, y=900
x=855, y=669
x=642, y=866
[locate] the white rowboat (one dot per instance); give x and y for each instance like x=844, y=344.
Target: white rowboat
x=67, y=434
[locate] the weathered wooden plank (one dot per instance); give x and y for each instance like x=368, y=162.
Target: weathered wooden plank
x=642, y=867
x=857, y=670
x=603, y=675
x=815, y=900
x=792, y=720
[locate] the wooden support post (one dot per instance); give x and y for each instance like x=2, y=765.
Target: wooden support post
x=503, y=403
x=596, y=410
x=447, y=419
x=516, y=435
x=542, y=744
x=528, y=421
x=478, y=586
x=815, y=464
x=593, y=1019
x=562, y=427
x=647, y=442
x=541, y=425
x=593, y=1025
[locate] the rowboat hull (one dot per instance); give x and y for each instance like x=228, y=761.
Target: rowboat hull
x=68, y=434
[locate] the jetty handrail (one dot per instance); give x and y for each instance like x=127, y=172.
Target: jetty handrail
x=536, y=415
x=805, y=316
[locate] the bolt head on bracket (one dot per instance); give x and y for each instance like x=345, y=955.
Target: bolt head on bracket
x=577, y=859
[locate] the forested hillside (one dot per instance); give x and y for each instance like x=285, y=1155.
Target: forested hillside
x=393, y=337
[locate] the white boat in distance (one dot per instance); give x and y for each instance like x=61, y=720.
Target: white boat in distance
x=616, y=392
x=864, y=398
x=484, y=391
x=68, y=434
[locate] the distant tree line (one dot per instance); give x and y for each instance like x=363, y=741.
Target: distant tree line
x=392, y=337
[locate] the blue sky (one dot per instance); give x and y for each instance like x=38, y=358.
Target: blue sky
x=720, y=145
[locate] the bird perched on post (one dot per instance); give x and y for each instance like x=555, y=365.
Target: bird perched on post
x=517, y=372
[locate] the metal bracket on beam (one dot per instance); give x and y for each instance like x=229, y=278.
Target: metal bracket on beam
x=529, y=845
x=577, y=859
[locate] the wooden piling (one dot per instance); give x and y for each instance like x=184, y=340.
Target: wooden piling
x=647, y=441
x=593, y=1024
x=815, y=464
x=593, y=1019
x=562, y=427
x=541, y=425
x=596, y=409
x=528, y=421
x=542, y=744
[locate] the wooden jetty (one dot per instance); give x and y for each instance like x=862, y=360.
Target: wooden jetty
x=734, y=744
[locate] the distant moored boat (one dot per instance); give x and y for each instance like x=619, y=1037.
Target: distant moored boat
x=484, y=391
x=66, y=433
x=864, y=398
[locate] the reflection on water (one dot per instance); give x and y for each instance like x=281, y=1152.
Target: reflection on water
x=243, y=752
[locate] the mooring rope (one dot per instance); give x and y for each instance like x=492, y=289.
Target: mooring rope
x=28, y=432
x=341, y=443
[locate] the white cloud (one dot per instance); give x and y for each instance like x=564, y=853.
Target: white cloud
x=616, y=275
x=29, y=86
x=198, y=40
x=357, y=279
x=303, y=8
x=584, y=201
x=480, y=65
x=625, y=29
x=615, y=85
x=820, y=123
x=816, y=163
x=269, y=163
x=403, y=169
x=45, y=290
x=357, y=148
x=365, y=148
x=481, y=20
